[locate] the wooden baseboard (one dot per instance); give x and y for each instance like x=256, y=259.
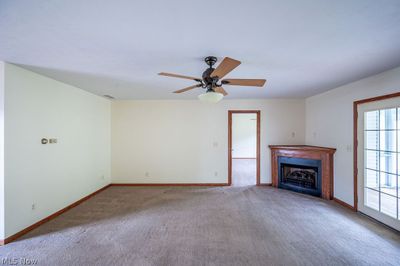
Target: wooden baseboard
x=51, y=217
x=169, y=184
x=178, y=184
x=265, y=184
x=344, y=204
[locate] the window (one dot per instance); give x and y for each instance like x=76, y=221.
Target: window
x=382, y=160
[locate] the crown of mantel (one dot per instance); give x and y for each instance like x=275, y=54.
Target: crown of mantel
x=303, y=148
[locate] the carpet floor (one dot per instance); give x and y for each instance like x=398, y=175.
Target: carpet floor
x=207, y=226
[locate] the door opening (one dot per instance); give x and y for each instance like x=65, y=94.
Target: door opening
x=377, y=160
x=244, y=147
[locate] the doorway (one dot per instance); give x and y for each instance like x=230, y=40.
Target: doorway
x=378, y=160
x=243, y=147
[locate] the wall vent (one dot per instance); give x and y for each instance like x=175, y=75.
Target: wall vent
x=108, y=96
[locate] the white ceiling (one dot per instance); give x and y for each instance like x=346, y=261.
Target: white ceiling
x=117, y=47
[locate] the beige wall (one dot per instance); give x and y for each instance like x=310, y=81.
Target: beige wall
x=51, y=176
x=186, y=141
x=329, y=122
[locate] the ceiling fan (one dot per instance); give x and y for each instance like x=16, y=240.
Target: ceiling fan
x=212, y=79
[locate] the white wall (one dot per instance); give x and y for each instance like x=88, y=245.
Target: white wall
x=244, y=135
x=329, y=122
x=187, y=141
x=51, y=176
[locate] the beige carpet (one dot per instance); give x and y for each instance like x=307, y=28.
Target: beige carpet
x=207, y=226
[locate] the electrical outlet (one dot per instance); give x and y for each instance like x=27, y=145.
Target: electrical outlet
x=215, y=144
x=215, y=173
x=147, y=174
x=314, y=135
x=293, y=134
x=102, y=177
x=33, y=206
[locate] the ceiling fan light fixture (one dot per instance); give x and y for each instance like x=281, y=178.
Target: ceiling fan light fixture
x=211, y=97
x=212, y=79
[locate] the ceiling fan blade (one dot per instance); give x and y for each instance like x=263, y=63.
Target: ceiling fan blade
x=226, y=66
x=188, y=88
x=221, y=90
x=244, y=82
x=179, y=76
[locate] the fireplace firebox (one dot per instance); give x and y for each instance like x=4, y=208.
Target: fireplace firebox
x=300, y=175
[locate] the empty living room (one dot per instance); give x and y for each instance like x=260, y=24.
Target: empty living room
x=261, y=132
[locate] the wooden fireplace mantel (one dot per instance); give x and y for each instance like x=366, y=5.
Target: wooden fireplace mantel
x=309, y=152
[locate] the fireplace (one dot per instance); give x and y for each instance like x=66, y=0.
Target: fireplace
x=303, y=168
x=300, y=175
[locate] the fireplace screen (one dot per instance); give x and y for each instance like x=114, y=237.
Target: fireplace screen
x=302, y=177
x=300, y=174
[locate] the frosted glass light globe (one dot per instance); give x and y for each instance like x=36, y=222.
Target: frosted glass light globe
x=211, y=97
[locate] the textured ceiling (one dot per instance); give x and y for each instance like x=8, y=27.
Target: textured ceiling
x=117, y=47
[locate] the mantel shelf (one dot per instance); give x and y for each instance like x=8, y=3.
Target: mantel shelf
x=303, y=148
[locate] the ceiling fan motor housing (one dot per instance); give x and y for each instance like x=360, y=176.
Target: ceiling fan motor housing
x=210, y=82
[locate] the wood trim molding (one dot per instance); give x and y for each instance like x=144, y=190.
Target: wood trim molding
x=258, y=154
x=355, y=149
x=50, y=217
x=229, y=148
x=355, y=141
x=378, y=98
x=258, y=148
x=344, y=204
x=169, y=184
